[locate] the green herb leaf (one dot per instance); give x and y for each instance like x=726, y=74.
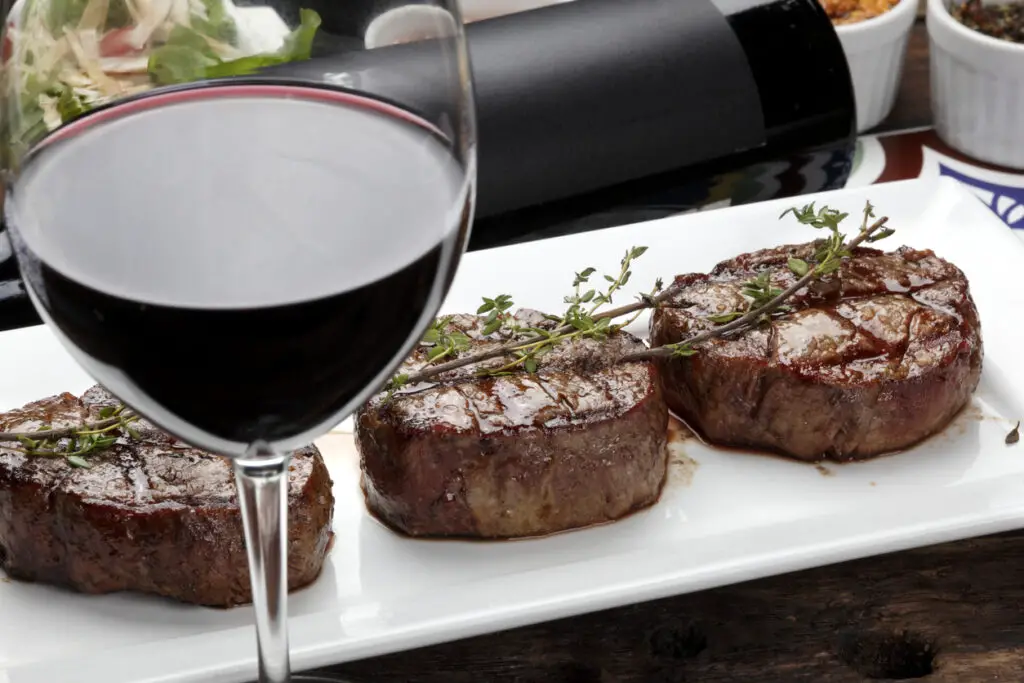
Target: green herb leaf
x=581, y=323
x=436, y=352
x=725, y=317
x=681, y=350
x=530, y=365
x=78, y=461
x=881, y=235
x=431, y=336
x=798, y=266
x=828, y=267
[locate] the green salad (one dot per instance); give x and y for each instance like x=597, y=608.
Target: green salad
x=63, y=57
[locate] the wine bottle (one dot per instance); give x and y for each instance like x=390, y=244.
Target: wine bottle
x=595, y=113
x=801, y=89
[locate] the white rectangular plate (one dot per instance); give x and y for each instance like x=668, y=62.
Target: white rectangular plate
x=741, y=516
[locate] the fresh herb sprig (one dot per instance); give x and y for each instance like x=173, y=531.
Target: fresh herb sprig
x=583, y=317
x=868, y=233
x=497, y=313
x=443, y=342
x=74, y=442
x=827, y=257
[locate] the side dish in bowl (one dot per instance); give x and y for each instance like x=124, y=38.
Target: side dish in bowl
x=978, y=80
x=874, y=35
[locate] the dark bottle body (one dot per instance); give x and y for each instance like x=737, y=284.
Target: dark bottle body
x=804, y=96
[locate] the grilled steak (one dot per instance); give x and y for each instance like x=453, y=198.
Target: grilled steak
x=869, y=360
x=151, y=515
x=581, y=442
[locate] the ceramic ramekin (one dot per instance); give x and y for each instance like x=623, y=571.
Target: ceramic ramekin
x=977, y=89
x=875, y=51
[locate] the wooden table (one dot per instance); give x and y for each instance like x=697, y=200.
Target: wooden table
x=947, y=614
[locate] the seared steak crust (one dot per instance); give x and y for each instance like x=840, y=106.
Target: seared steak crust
x=151, y=515
x=581, y=442
x=870, y=360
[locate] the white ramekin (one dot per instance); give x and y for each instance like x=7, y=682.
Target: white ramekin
x=875, y=50
x=977, y=89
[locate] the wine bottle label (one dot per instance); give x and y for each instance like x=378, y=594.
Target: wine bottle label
x=584, y=95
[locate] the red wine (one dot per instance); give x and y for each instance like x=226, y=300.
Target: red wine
x=241, y=263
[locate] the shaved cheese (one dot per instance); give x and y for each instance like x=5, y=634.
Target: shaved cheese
x=137, y=64
x=95, y=15
x=86, y=47
x=56, y=53
x=51, y=117
x=180, y=13
x=154, y=13
x=198, y=8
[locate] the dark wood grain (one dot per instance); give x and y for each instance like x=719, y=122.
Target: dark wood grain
x=947, y=614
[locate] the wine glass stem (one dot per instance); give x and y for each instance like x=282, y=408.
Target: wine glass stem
x=262, y=477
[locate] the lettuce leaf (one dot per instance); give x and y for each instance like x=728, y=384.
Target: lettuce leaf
x=218, y=23
x=187, y=56
x=69, y=105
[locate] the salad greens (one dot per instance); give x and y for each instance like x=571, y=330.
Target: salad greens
x=65, y=57
x=188, y=56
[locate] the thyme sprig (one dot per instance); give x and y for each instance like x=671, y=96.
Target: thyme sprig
x=582, y=318
x=827, y=258
x=754, y=315
x=442, y=341
x=497, y=313
x=76, y=441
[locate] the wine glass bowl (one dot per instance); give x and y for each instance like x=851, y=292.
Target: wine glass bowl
x=238, y=218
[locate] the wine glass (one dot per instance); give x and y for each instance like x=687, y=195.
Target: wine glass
x=239, y=218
